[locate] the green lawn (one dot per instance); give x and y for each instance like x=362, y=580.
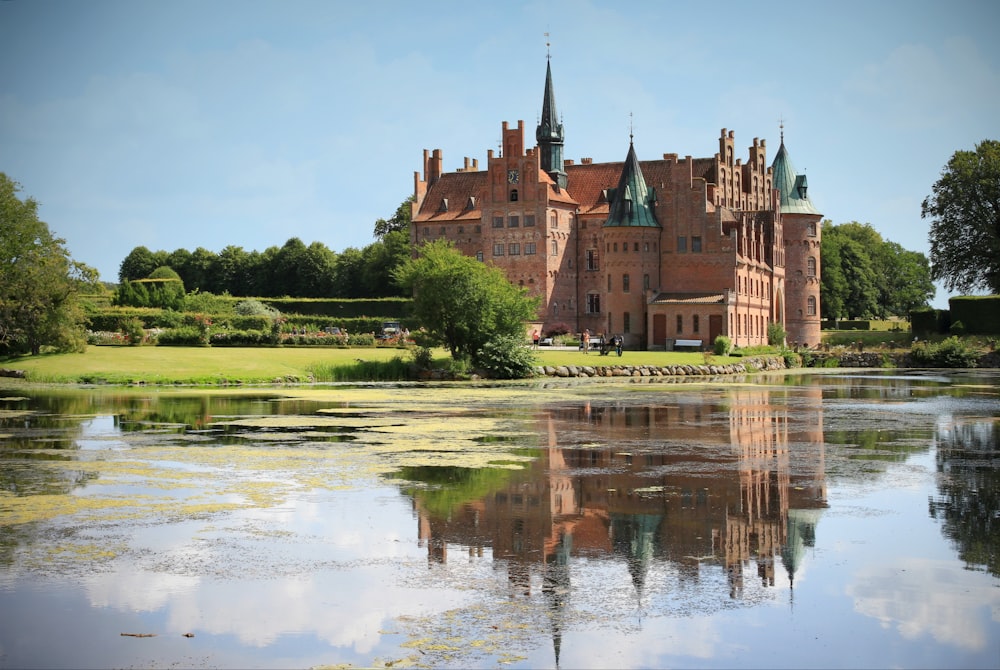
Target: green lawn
x=215, y=365
x=191, y=365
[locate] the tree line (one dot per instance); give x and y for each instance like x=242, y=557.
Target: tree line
x=294, y=269
x=867, y=277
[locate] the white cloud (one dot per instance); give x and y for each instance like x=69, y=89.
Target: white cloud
x=954, y=611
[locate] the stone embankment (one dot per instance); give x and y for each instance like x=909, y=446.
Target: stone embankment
x=755, y=364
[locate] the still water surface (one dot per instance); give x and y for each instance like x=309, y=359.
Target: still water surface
x=836, y=520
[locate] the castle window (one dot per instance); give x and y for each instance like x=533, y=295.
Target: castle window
x=627, y=322
x=635, y=247
x=645, y=246
x=555, y=220
x=624, y=247
x=609, y=283
x=498, y=249
x=680, y=324
x=682, y=245
x=593, y=303
x=696, y=245
x=529, y=248
x=592, y=260
x=812, y=229
x=514, y=221
x=529, y=220
x=616, y=246
x=626, y=284
x=695, y=323
x=555, y=247
x=498, y=222
x=479, y=256
x=811, y=266
x=811, y=305
x=514, y=249
x=513, y=195
x=645, y=282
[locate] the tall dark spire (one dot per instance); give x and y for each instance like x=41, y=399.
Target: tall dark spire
x=632, y=203
x=549, y=133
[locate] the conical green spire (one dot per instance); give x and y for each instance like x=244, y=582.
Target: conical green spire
x=792, y=187
x=632, y=202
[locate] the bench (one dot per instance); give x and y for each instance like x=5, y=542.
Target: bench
x=545, y=342
x=688, y=343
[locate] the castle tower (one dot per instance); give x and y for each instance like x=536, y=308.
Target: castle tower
x=800, y=221
x=549, y=134
x=632, y=227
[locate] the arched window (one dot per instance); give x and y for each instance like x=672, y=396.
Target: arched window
x=811, y=305
x=811, y=266
x=513, y=195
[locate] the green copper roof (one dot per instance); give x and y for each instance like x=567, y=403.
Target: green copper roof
x=793, y=187
x=632, y=202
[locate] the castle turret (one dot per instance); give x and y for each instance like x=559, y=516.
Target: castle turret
x=800, y=222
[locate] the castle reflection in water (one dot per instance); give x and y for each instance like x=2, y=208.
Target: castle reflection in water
x=730, y=485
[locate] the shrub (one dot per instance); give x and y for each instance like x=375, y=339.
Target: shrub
x=239, y=338
x=722, y=345
x=254, y=307
x=951, y=353
x=184, y=336
x=504, y=357
x=362, y=340
x=775, y=334
x=133, y=331
x=957, y=328
x=557, y=329
x=423, y=358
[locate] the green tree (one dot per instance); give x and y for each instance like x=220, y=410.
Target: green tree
x=39, y=281
x=400, y=221
x=964, y=210
x=380, y=260
x=348, y=274
x=139, y=263
x=906, y=280
x=865, y=276
x=462, y=302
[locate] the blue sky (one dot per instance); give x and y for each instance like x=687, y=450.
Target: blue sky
x=202, y=124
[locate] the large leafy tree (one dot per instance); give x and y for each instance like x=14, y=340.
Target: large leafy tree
x=462, y=302
x=865, y=276
x=140, y=262
x=400, y=221
x=39, y=281
x=964, y=210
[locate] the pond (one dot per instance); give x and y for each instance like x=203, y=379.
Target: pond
x=840, y=519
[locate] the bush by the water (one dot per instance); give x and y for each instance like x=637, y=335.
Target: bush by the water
x=505, y=357
x=950, y=353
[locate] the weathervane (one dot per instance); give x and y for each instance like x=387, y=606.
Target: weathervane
x=548, y=53
x=781, y=128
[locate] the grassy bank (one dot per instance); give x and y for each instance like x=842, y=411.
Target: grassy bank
x=231, y=365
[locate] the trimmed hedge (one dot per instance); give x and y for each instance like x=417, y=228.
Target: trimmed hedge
x=383, y=309
x=979, y=314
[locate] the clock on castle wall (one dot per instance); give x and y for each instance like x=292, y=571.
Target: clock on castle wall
x=511, y=176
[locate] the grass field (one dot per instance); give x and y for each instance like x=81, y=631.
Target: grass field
x=226, y=365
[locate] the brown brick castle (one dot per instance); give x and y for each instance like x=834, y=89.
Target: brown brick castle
x=657, y=251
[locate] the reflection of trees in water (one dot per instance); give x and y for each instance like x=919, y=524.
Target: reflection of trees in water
x=968, y=456
x=38, y=431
